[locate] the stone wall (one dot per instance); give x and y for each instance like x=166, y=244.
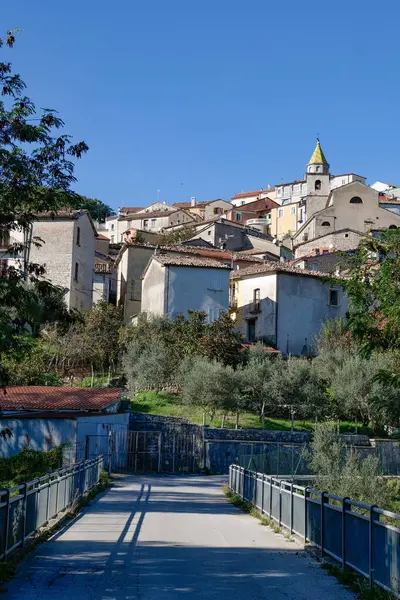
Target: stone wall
x=273, y=452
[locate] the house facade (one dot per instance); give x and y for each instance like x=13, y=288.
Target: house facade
x=172, y=285
x=283, y=306
x=67, y=245
x=248, y=197
x=206, y=209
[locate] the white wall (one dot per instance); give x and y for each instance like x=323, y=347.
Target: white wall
x=37, y=434
x=303, y=306
x=154, y=289
x=266, y=318
x=197, y=289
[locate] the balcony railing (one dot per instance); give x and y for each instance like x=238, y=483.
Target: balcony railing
x=255, y=307
x=233, y=302
x=102, y=268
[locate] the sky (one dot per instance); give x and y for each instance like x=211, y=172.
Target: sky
x=210, y=98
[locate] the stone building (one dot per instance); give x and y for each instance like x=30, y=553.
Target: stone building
x=350, y=212
x=67, y=245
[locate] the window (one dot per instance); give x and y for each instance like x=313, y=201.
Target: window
x=279, y=192
x=325, y=252
x=112, y=239
x=280, y=212
x=76, y=273
x=317, y=169
x=209, y=233
x=216, y=210
x=356, y=200
x=314, y=267
x=333, y=298
x=154, y=221
x=293, y=210
x=145, y=224
x=318, y=184
x=78, y=236
x=346, y=235
x=392, y=227
x=244, y=202
x=112, y=226
x=343, y=181
x=325, y=224
x=238, y=217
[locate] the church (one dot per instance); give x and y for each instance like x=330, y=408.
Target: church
x=336, y=211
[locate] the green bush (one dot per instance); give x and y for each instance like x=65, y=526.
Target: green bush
x=29, y=464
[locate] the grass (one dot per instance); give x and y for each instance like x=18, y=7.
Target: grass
x=170, y=405
x=358, y=584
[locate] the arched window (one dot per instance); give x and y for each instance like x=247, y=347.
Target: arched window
x=392, y=227
x=356, y=200
x=318, y=184
x=317, y=169
x=326, y=224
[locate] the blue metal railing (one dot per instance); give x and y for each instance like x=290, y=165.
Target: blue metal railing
x=352, y=533
x=28, y=506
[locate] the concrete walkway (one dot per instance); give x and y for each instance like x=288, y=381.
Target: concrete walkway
x=164, y=538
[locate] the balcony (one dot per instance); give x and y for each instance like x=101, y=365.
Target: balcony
x=233, y=303
x=259, y=224
x=255, y=307
x=102, y=268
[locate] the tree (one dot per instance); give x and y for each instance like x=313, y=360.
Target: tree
x=177, y=236
x=340, y=471
x=96, y=208
x=256, y=377
x=210, y=385
x=372, y=286
x=221, y=342
x=36, y=172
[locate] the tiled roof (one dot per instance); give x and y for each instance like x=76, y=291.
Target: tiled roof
x=57, y=398
x=188, y=261
x=100, y=236
x=318, y=157
x=154, y=213
x=130, y=209
x=250, y=194
x=273, y=267
x=247, y=257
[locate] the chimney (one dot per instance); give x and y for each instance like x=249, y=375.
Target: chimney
x=193, y=201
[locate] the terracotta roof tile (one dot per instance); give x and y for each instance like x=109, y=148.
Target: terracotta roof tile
x=250, y=194
x=57, y=398
x=188, y=261
x=274, y=267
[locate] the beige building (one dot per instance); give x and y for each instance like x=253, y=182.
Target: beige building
x=353, y=206
x=285, y=219
x=67, y=252
x=207, y=209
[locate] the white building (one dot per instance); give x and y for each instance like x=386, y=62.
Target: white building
x=283, y=306
x=247, y=197
x=172, y=285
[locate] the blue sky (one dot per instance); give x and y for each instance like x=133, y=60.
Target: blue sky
x=208, y=98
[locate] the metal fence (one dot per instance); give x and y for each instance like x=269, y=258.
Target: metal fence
x=28, y=506
x=360, y=536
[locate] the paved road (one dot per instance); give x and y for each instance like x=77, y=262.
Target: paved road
x=164, y=538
